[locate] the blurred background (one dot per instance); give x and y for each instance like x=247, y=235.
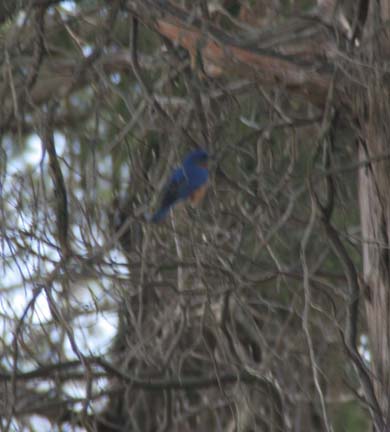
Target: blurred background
x=232, y=316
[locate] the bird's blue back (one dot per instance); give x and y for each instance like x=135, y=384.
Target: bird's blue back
x=183, y=182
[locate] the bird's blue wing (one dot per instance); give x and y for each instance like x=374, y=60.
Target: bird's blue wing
x=185, y=182
x=197, y=177
x=173, y=191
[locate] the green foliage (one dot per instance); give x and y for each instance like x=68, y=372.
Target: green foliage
x=350, y=417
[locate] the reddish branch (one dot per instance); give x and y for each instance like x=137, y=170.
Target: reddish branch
x=221, y=54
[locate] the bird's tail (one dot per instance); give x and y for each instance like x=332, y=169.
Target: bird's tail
x=158, y=216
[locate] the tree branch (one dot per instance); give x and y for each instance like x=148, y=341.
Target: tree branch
x=224, y=53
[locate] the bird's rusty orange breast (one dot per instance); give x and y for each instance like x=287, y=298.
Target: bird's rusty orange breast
x=197, y=196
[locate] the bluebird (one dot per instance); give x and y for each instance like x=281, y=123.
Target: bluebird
x=189, y=181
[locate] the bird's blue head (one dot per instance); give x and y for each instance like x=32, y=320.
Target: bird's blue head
x=197, y=157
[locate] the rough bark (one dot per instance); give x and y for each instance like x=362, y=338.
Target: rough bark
x=374, y=186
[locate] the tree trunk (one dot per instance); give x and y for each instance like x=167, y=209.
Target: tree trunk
x=374, y=196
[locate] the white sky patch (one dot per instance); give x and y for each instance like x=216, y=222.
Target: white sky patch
x=32, y=156
x=42, y=312
x=364, y=349
x=16, y=166
x=94, y=330
x=33, y=151
x=93, y=334
x=75, y=390
x=11, y=276
x=68, y=5
x=118, y=258
x=87, y=50
x=40, y=423
x=19, y=302
x=60, y=143
x=107, y=327
x=96, y=326
x=115, y=78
